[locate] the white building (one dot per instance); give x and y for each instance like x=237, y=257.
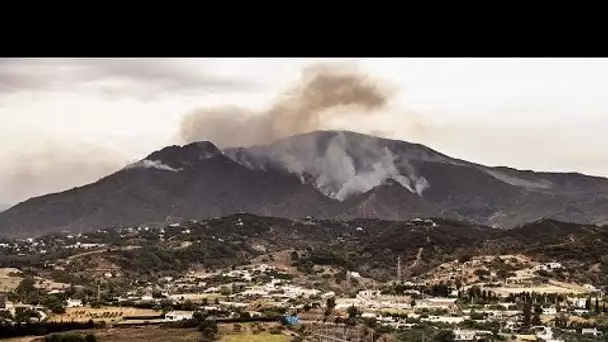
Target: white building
x=590, y=287
x=445, y=319
x=74, y=303
x=470, y=335
x=551, y=311
x=327, y=295
x=174, y=316
x=368, y=294
x=436, y=303
x=354, y=274
x=578, y=302
x=594, y=332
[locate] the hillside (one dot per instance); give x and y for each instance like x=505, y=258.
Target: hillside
x=324, y=174
x=368, y=246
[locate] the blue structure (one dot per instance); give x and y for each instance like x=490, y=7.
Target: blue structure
x=291, y=320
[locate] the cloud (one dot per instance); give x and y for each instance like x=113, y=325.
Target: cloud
x=140, y=78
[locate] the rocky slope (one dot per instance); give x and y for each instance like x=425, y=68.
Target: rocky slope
x=326, y=174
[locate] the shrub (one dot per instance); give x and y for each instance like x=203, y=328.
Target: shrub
x=275, y=331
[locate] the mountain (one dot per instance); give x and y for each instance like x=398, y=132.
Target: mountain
x=3, y=207
x=325, y=174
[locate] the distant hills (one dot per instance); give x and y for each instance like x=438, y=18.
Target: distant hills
x=369, y=246
x=324, y=174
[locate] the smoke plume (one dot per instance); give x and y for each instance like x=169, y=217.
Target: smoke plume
x=325, y=97
x=341, y=164
x=324, y=94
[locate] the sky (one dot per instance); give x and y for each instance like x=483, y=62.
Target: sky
x=69, y=122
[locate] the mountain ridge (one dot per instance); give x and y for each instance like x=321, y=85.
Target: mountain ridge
x=325, y=174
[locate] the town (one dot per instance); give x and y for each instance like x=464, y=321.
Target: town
x=506, y=297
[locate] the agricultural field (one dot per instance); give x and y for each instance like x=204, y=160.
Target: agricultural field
x=160, y=334
x=108, y=314
x=8, y=282
x=11, y=277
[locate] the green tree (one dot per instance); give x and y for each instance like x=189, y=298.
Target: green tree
x=597, y=305
x=53, y=338
x=5, y=315
x=55, y=305
x=26, y=289
x=353, y=312
x=536, y=317
x=24, y=315
x=90, y=338
x=208, y=329
x=444, y=336
x=331, y=303
x=225, y=291
x=526, y=314
x=188, y=305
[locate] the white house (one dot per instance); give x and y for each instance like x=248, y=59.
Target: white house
x=444, y=319
x=550, y=311
x=590, y=287
x=437, y=303
x=470, y=335
x=578, y=302
x=464, y=335
x=588, y=331
x=369, y=315
x=74, y=303
x=368, y=293
x=330, y=294
x=174, y=316
x=354, y=274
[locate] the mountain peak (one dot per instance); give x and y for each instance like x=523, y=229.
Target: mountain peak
x=175, y=158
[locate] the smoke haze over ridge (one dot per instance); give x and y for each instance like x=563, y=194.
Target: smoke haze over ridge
x=323, y=95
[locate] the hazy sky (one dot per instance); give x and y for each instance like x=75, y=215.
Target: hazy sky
x=69, y=122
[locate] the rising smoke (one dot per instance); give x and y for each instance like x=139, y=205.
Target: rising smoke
x=342, y=164
x=325, y=95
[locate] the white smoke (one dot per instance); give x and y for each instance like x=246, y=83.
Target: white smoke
x=338, y=173
x=152, y=164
